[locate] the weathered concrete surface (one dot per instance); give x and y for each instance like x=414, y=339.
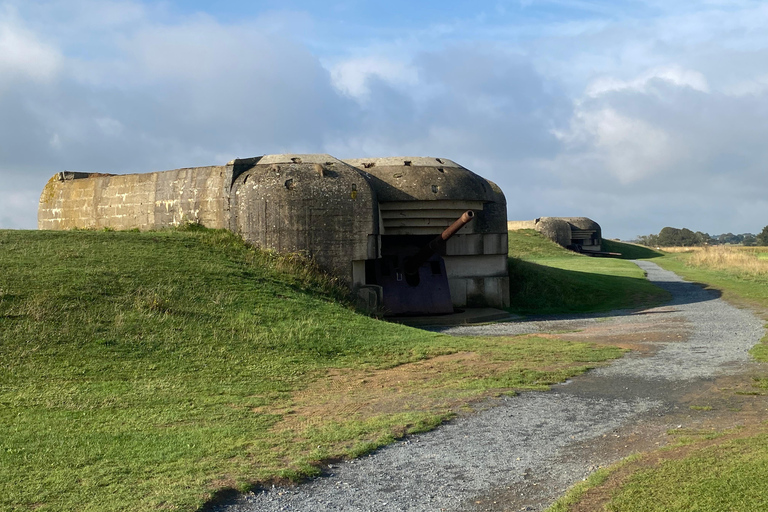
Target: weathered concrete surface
x=344, y=215
x=143, y=201
x=514, y=225
x=423, y=196
x=313, y=204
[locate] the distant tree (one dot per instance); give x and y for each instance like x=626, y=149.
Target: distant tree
x=688, y=238
x=729, y=238
x=748, y=240
x=762, y=238
x=704, y=239
x=648, y=240
x=674, y=237
x=670, y=237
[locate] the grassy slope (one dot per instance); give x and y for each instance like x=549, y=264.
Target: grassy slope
x=145, y=370
x=630, y=251
x=545, y=278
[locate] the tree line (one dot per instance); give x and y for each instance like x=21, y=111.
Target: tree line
x=674, y=237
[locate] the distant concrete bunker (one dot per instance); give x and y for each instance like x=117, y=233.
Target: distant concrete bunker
x=363, y=220
x=579, y=234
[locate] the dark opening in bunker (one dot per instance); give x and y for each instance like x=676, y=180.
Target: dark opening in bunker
x=409, y=289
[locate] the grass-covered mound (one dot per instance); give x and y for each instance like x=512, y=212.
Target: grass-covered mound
x=545, y=278
x=630, y=251
x=145, y=371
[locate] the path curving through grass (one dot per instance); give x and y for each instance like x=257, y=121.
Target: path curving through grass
x=523, y=452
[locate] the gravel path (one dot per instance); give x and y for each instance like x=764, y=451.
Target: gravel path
x=525, y=451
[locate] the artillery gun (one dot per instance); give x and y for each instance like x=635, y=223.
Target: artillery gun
x=413, y=278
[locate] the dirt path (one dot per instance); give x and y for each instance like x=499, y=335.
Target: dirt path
x=527, y=450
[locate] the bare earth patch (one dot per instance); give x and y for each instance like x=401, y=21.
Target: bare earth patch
x=433, y=385
x=637, y=336
x=368, y=393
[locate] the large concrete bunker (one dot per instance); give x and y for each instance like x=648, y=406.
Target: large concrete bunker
x=362, y=220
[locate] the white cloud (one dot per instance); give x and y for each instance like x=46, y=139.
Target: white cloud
x=752, y=87
x=108, y=126
x=628, y=149
x=195, y=92
x=23, y=55
x=103, y=15
x=55, y=141
x=18, y=208
x=675, y=75
x=353, y=76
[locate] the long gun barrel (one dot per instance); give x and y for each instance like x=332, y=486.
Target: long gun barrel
x=413, y=263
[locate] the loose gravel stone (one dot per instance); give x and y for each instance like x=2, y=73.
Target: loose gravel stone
x=519, y=445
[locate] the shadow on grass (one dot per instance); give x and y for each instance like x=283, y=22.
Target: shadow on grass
x=539, y=290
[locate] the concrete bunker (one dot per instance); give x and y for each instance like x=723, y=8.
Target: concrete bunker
x=362, y=220
x=579, y=234
x=419, y=197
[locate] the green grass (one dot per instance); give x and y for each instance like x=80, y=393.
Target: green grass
x=145, y=371
x=630, y=251
x=721, y=476
x=576, y=493
x=547, y=279
x=728, y=476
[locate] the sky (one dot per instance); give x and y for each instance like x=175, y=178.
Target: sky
x=638, y=114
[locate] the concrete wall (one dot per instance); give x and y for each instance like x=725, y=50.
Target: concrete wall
x=143, y=201
x=514, y=225
x=313, y=204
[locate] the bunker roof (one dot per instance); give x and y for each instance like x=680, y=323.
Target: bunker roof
x=425, y=179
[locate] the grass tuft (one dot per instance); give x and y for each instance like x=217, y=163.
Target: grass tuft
x=576, y=493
